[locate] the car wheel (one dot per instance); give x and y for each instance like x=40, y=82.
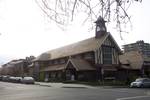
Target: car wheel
x=141, y=86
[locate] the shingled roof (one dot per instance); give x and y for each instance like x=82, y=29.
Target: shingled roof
x=133, y=58
x=81, y=65
x=87, y=45
x=80, y=47
x=42, y=57
x=54, y=68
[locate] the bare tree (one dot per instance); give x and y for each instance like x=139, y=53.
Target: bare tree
x=63, y=11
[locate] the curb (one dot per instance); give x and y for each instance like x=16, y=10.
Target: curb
x=45, y=85
x=60, y=86
x=73, y=87
x=114, y=87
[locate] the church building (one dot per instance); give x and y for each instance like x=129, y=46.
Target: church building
x=88, y=60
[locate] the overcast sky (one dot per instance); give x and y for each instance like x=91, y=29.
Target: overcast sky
x=26, y=31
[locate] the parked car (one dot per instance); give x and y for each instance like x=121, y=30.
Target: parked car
x=1, y=78
x=11, y=79
x=141, y=82
x=5, y=78
x=18, y=79
x=28, y=80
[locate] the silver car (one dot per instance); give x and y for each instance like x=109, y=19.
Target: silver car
x=28, y=80
x=18, y=79
x=141, y=82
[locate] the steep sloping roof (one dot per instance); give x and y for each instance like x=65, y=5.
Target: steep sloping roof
x=116, y=45
x=42, y=57
x=87, y=45
x=133, y=58
x=54, y=68
x=81, y=65
x=83, y=46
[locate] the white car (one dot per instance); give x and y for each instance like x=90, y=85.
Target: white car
x=141, y=82
x=28, y=80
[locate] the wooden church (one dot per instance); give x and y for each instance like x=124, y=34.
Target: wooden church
x=91, y=59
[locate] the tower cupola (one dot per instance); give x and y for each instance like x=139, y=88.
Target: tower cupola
x=100, y=27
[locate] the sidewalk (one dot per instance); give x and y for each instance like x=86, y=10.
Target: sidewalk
x=62, y=85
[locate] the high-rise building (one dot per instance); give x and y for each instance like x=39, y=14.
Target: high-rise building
x=143, y=48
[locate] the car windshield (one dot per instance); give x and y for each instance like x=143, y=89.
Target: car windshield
x=142, y=79
x=139, y=79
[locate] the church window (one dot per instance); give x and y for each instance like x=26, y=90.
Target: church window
x=107, y=55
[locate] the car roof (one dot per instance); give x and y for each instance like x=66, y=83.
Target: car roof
x=142, y=78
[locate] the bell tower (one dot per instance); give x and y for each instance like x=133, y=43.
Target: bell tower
x=100, y=27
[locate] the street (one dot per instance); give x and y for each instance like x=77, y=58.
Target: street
x=13, y=91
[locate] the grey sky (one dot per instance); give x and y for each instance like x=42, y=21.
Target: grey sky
x=26, y=31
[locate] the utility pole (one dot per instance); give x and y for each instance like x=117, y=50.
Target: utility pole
x=102, y=73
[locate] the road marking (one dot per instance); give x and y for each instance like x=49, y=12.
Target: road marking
x=136, y=97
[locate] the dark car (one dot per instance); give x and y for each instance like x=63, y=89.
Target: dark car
x=5, y=78
x=1, y=78
x=141, y=82
x=11, y=79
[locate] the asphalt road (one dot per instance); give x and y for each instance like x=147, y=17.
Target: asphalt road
x=12, y=91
